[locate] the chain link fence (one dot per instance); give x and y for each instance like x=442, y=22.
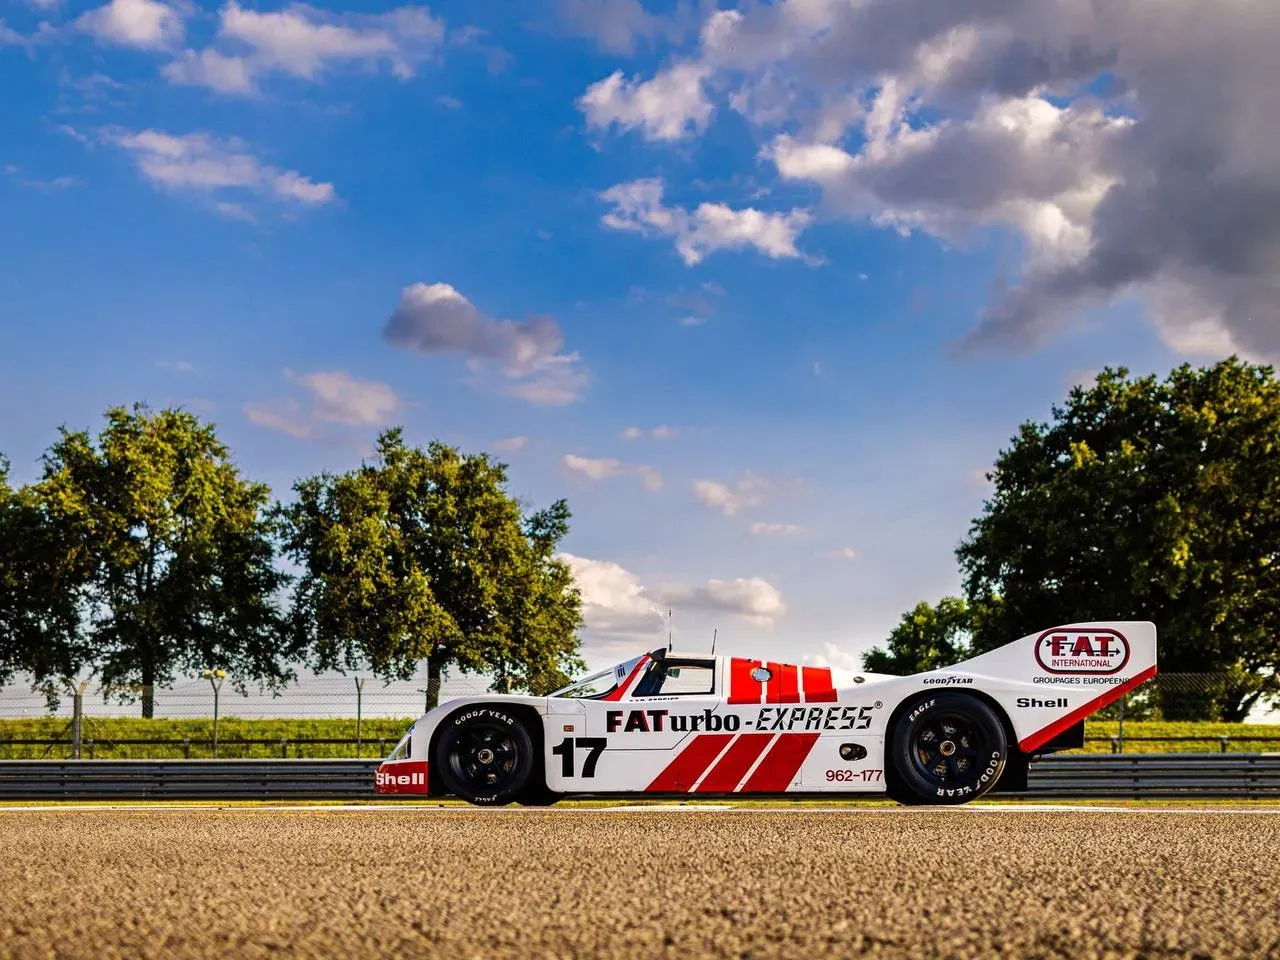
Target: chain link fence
x=336, y=716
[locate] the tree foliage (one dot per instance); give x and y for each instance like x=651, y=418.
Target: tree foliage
x=422, y=555
x=168, y=554
x=926, y=638
x=1145, y=499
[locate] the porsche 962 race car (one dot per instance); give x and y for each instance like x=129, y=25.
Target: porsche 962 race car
x=673, y=723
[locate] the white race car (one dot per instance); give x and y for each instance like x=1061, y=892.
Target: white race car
x=668, y=723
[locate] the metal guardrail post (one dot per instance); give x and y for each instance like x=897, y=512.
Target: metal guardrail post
x=284, y=748
x=1223, y=740
x=186, y=748
x=89, y=743
x=1115, y=744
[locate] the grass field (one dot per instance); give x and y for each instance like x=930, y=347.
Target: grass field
x=232, y=732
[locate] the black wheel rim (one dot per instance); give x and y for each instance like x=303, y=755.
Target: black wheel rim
x=947, y=749
x=483, y=757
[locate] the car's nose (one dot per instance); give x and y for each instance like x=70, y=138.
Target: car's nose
x=401, y=776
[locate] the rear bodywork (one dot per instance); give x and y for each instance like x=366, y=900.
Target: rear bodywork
x=734, y=725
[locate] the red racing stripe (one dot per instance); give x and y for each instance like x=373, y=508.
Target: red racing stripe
x=733, y=766
x=818, y=687
x=742, y=687
x=1041, y=737
x=781, y=763
x=683, y=772
x=789, y=688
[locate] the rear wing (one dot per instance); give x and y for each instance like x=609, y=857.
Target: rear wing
x=1054, y=679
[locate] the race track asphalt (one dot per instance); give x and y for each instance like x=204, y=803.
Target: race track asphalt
x=671, y=884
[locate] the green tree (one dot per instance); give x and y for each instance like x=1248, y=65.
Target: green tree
x=1145, y=499
x=41, y=587
x=926, y=638
x=422, y=555
x=174, y=552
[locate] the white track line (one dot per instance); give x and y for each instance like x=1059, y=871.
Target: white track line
x=653, y=808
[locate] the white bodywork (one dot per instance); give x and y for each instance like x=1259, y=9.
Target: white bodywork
x=715, y=729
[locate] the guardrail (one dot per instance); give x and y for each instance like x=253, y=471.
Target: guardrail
x=1080, y=776
x=377, y=746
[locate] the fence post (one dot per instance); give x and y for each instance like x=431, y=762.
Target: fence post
x=77, y=720
x=1223, y=741
x=89, y=744
x=1115, y=744
x=359, y=691
x=186, y=748
x=284, y=748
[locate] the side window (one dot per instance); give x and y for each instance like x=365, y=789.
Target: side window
x=674, y=678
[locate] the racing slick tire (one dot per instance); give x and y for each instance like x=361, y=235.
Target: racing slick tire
x=946, y=748
x=485, y=756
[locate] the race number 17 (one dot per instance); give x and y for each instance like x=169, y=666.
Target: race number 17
x=594, y=747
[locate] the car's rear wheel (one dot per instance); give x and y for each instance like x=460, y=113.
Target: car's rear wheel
x=946, y=748
x=485, y=755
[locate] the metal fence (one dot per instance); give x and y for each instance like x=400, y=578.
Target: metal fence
x=1096, y=776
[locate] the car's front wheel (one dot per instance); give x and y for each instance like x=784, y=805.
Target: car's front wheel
x=947, y=748
x=485, y=755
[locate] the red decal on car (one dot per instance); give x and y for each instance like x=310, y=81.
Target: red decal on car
x=735, y=763
x=683, y=772
x=781, y=763
x=617, y=692
x=744, y=688
x=818, y=687
x=401, y=776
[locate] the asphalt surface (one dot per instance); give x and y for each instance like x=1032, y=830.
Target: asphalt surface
x=570, y=884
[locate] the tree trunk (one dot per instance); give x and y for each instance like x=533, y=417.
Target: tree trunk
x=433, y=683
x=148, y=688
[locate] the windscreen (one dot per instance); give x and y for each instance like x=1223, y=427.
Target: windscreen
x=600, y=683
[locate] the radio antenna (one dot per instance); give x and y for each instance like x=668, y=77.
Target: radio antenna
x=713, y=640
x=668, y=629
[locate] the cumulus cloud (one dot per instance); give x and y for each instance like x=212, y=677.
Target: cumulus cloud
x=671, y=106
x=201, y=164
x=1119, y=142
x=305, y=42
x=638, y=207
x=603, y=468
x=615, y=601
x=618, y=25
x=435, y=318
x=750, y=491
x=334, y=396
x=762, y=529
x=660, y=432
x=144, y=24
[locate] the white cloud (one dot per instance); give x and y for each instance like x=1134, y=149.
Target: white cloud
x=198, y=163
x=179, y=366
x=671, y=106
x=603, y=468
x=281, y=416
x=509, y=444
x=616, y=602
x=760, y=528
x=1118, y=143
x=660, y=432
x=750, y=491
x=334, y=397
x=843, y=553
x=338, y=397
x=436, y=318
x=838, y=659
x=616, y=25
x=305, y=42
x=145, y=24
x=638, y=207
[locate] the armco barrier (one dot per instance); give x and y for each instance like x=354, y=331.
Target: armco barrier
x=1233, y=776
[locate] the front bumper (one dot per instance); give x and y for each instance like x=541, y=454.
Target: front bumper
x=400, y=777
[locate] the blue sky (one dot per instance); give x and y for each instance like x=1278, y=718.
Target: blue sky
x=238, y=242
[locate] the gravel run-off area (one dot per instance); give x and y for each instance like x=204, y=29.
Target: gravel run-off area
x=249, y=883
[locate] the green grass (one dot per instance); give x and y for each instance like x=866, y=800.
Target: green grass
x=104, y=731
